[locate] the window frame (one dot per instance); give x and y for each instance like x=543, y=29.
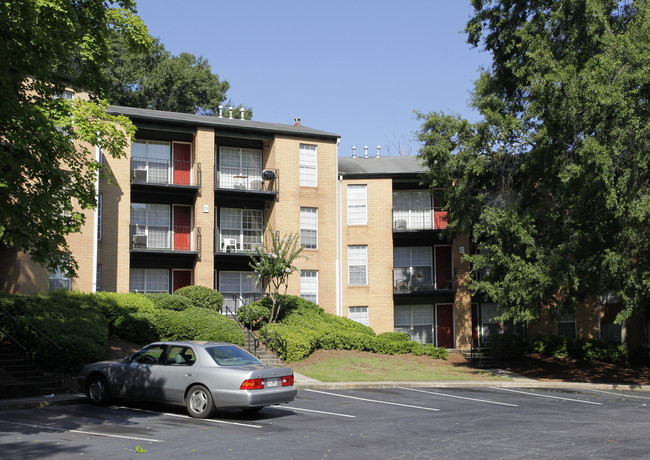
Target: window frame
x=309, y=289
x=308, y=227
x=357, y=204
x=364, y=266
x=362, y=313
x=308, y=163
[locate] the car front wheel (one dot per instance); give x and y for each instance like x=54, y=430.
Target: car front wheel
x=98, y=391
x=199, y=402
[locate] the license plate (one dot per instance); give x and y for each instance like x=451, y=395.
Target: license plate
x=272, y=383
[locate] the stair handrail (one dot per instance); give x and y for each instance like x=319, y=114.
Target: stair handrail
x=252, y=343
x=279, y=343
x=26, y=352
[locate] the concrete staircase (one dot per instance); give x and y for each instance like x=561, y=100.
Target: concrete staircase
x=481, y=358
x=20, y=377
x=262, y=353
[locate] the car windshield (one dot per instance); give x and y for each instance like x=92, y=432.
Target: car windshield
x=231, y=356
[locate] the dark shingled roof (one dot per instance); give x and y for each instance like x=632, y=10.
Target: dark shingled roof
x=381, y=167
x=233, y=124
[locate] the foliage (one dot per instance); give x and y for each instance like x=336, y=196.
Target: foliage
x=45, y=47
x=554, y=180
x=155, y=79
x=585, y=349
x=508, y=346
x=170, y=301
x=129, y=315
x=196, y=323
x=254, y=314
x=274, y=263
x=202, y=296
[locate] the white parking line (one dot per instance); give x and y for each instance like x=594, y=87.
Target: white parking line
x=90, y=433
x=547, y=396
x=314, y=411
x=224, y=422
x=625, y=395
x=459, y=397
x=372, y=400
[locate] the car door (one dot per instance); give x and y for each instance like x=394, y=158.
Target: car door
x=176, y=371
x=141, y=380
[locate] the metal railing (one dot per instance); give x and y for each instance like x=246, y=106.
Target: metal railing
x=174, y=238
x=419, y=219
x=165, y=172
x=242, y=242
x=247, y=179
x=419, y=279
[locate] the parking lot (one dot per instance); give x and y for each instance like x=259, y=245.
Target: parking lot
x=400, y=422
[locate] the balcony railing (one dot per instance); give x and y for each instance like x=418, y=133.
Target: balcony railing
x=419, y=219
x=247, y=179
x=237, y=241
x=165, y=172
x=165, y=238
x=418, y=279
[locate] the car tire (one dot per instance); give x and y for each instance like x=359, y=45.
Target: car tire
x=98, y=391
x=199, y=402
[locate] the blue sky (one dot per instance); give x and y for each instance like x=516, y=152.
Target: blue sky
x=357, y=68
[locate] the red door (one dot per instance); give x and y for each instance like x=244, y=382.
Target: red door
x=439, y=216
x=182, y=228
x=182, y=160
x=182, y=278
x=443, y=267
x=445, y=323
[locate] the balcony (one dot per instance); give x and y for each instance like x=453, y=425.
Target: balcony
x=165, y=239
x=419, y=219
x=165, y=172
x=251, y=180
x=237, y=242
x=420, y=279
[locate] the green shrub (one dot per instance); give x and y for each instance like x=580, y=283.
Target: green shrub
x=507, y=346
x=589, y=349
x=298, y=344
x=392, y=343
x=170, y=301
x=129, y=315
x=202, y=297
x=135, y=327
x=196, y=324
x=255, y=313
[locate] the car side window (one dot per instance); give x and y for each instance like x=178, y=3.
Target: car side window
x=180, y=356
x=149, y=355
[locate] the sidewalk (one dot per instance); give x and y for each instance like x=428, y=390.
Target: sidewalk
x=304, y=382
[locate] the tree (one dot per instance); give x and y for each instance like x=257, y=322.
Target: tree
x=45, y=158
x=554, y=181
x=273, y=264
x=155, y=79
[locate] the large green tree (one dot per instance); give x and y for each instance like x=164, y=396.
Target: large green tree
x=47, y=143
x=156, y=79
x=554, y=181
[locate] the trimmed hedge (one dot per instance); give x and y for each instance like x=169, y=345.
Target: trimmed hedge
x=196, y=323
x=170, y=301
x=202, y=297
x=590, y=349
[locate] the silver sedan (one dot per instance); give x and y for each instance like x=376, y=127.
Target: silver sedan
x=202, y=376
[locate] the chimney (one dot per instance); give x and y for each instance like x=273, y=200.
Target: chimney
x=296, y=122
x=365, y=151
x=220, y=111
x=230, y=109
x=241, y=113
x=378, y=149
x=354, y=151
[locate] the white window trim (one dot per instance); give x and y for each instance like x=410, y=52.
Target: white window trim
x=357, y=204
x=307, y=226
x=351, y=249
x=308, y=161
x=303, y=286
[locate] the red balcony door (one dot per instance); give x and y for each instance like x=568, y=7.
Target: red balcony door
x=182, y=278
x=443, y=267
x=439, y=216
x=445, y=323
x=182, y=162
x=182, y=228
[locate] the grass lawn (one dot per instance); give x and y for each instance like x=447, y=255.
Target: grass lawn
x=355, y=366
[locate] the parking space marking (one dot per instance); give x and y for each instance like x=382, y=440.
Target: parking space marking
x=547, y=396
x=90, y=433
x=212, y=420
x=314, y=411
x=459, y=397
x=373, y=400
x=625, y=395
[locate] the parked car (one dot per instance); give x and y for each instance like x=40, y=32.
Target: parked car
x=201, y=375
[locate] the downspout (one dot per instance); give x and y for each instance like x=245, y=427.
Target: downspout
x=338, y=234
x=98, y=153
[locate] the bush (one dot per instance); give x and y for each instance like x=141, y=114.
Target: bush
x=202, y=297
x=129, y=315
x=196, y=324
x=589, y=349
x=170, y=301
x=393, y=343
x=507, y=346
x=254, y=314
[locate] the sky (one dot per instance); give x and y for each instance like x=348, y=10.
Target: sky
x=356, y=68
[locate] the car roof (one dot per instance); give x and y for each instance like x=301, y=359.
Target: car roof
x=198, y=343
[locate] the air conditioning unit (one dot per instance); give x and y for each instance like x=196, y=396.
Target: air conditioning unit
x=139, y=175
x=139, y=241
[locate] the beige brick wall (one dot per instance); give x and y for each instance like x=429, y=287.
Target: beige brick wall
x=203, y=152
x=462, y=300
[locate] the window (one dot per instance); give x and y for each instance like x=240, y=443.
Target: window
x=359, y=314
x=309, y=285
x=150, y=161
x=309, y=228
x=152, y=221
x=412, y=210
x=357, y=205
x=98, y=278
x=238, y=288
x=416, y=321
x=180, y=356
x=412, y=268
x=308, y=165
x=59, y=280
x=240, y=168
x=147, y=280
x=357, y=265
x=566, y=325
x=100, y=210
x=68, y=95
x=489, y=324
x=241, y=229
